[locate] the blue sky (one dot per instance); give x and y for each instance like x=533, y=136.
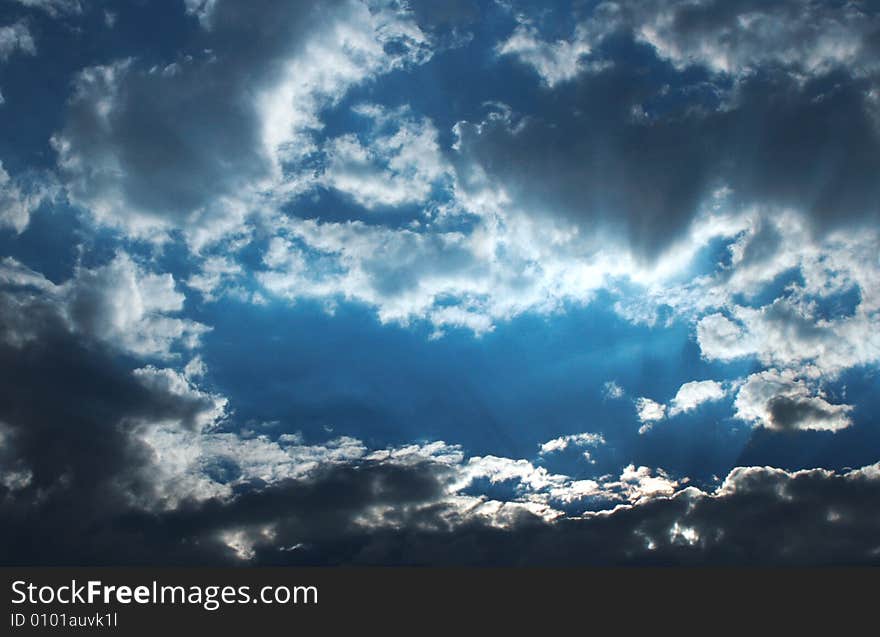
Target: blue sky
x=553, y=262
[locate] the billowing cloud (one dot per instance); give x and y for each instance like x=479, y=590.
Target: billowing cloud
x=558, y=165
x=742, y=36
x=194, y=144
x=649, y=411
x=693, y=394
x=554, y=61
x=665, y=143
x=100, y=463
x=118, y=303
x=782, y=402
x=394, y=167
x=803, y=306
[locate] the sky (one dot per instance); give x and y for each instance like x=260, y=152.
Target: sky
x=476, y=282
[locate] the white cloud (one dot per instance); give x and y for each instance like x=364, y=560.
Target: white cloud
x=576, y=440
x=16, y=37
x=638, y=484
x=693, y=394
x=577, y=490
x=18, y=200
x=536, y=484
x=213, y=272
x=119, y=303
x=54, y=8
x=791, y=334
x=612, y=390
x=503, y=266
x=805, y=332
x=497, y=470
x=208, y=408
x=779, y=400
x=437, y=451
x=649, y=412
x=398, y=164
x=809, y=35
x=124, y=304
x=267, y=104
x=556, y=61
x=688, y=397
x=195, y=368
x=206, y=464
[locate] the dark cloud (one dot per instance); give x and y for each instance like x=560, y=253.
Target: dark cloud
x=765, y=516
x=75, y=474
x=161, y=143
x=68, y=408
x=791, y=413
x=636, y=149
x=736, y=36
x=69, y=411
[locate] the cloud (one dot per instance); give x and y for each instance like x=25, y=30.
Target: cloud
x=389, y=168
x=498, y=470
x=68, y=413
x=541, y=212
x=742, y=36
x=808, y=517
x=640, y=484
x=688, y=397
x=555, y=61
x=395, y=507
x=433, y=271
x=18, y=200
x=791, y=332
x=14, y=38
x=577, y=440
x=612, y=390
x=206, y=409
x=736, y=37
x=198, y=143
x=54, y=8
x=213, y=272
x=616, y=173
x=649, y=412
x=573, y=156
x=780, y=401
x=118, y=303
x=555, y=164
x=783, y=298
x=106, y=464
x=693, y=394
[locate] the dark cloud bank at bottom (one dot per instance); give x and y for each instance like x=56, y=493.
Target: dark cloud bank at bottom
x=65, y=404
